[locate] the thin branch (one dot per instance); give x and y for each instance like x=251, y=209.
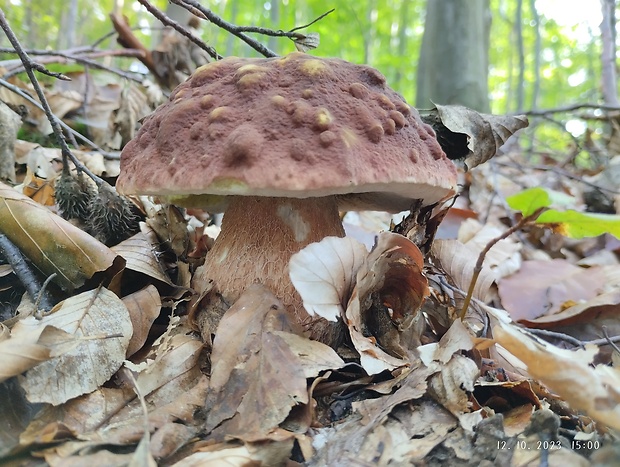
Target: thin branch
x=478, y=267
x=54, y=121
x=23, y=271
x=182, y=30
x=67, y=128
x=607, y=340
x=280, y=33
x=198, y=10
x=559, y=171
x=570, y=108
x=313, y=21
x=53, y=57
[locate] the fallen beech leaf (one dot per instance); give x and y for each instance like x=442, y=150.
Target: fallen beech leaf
x=436, y=354
x=452, y=385
x=568, y=373
x=465, y=133
x=38, y=189
x=389, y=291
x=140, y=256
x=27, y=347
x=256, y=378
x=143, y=307
x=323, y=272
x=101, y=319
x=457, y=260
x=503, y=258
x=543, y=287
x=313, y=356
x=51, y=243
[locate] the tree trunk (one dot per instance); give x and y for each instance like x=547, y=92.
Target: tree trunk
x=537, y=53
x=518, y=31
x=608, y=56
x=274, y=19
x=453, y=65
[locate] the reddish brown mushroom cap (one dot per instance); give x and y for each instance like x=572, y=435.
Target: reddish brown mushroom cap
x=296, y=126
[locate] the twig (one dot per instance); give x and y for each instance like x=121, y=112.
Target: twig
x=198, y=10
x=314, y=20
x=570, y=108
x=71, y=131
x=559, y=171
x=43, y=294
x=87, y=59
x=478, y=267
x=291, y=34
x=54, y=121
x=21, y=269
x=607, y=340
x=182, y=30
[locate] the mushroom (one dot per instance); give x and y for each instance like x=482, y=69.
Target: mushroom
x=281, y=145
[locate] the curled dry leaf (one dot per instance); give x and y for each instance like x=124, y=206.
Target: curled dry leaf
x=569, y=374
x=389, y=291
x=323, y=274
x=51, y=243
x=466, y=134
x=100, y=319
x=140, y=257
x=143, y=307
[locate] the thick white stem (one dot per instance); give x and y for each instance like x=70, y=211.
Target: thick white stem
x=258, y=237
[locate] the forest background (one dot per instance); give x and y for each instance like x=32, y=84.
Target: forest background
x=543, y=54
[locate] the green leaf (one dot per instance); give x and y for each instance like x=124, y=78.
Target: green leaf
x=528, y=201
x=576, y=224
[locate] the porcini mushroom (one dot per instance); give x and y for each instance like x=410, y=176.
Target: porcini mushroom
x=281, y=144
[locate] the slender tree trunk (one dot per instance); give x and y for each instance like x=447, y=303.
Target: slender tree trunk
x=230, y=39
x=609, y=83
x=368, y=32
x=518, y=30
x=274, y=18
x=537, y=54
x=453, y=65
x=402, y=41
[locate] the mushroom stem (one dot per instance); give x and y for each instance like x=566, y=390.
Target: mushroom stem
x=258, y=237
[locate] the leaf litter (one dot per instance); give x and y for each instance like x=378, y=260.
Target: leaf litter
x=414, y=384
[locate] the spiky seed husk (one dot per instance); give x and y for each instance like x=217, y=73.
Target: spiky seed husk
x=111, y=217
x=73, y=194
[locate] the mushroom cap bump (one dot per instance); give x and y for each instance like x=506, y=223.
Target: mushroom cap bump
x=295, y=126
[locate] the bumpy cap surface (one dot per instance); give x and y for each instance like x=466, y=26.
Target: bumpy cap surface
x=296, y=126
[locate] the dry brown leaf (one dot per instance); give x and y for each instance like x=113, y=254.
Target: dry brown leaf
x=231, y=455
x=38, y=189
x=323, y=273
x=101, y=319
x=437, y=354
x=313, y=356
x=256, y=378
x=458, y=260
x=116, y=416
x=144, y=307
x=28, y=346
x=503, y=258
x=51, y=243
x=545, y=287
x=593, y=390
x=140, y=257
x=389, y=291
x=389, y=427
x=78, y=416
x=465, y=133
